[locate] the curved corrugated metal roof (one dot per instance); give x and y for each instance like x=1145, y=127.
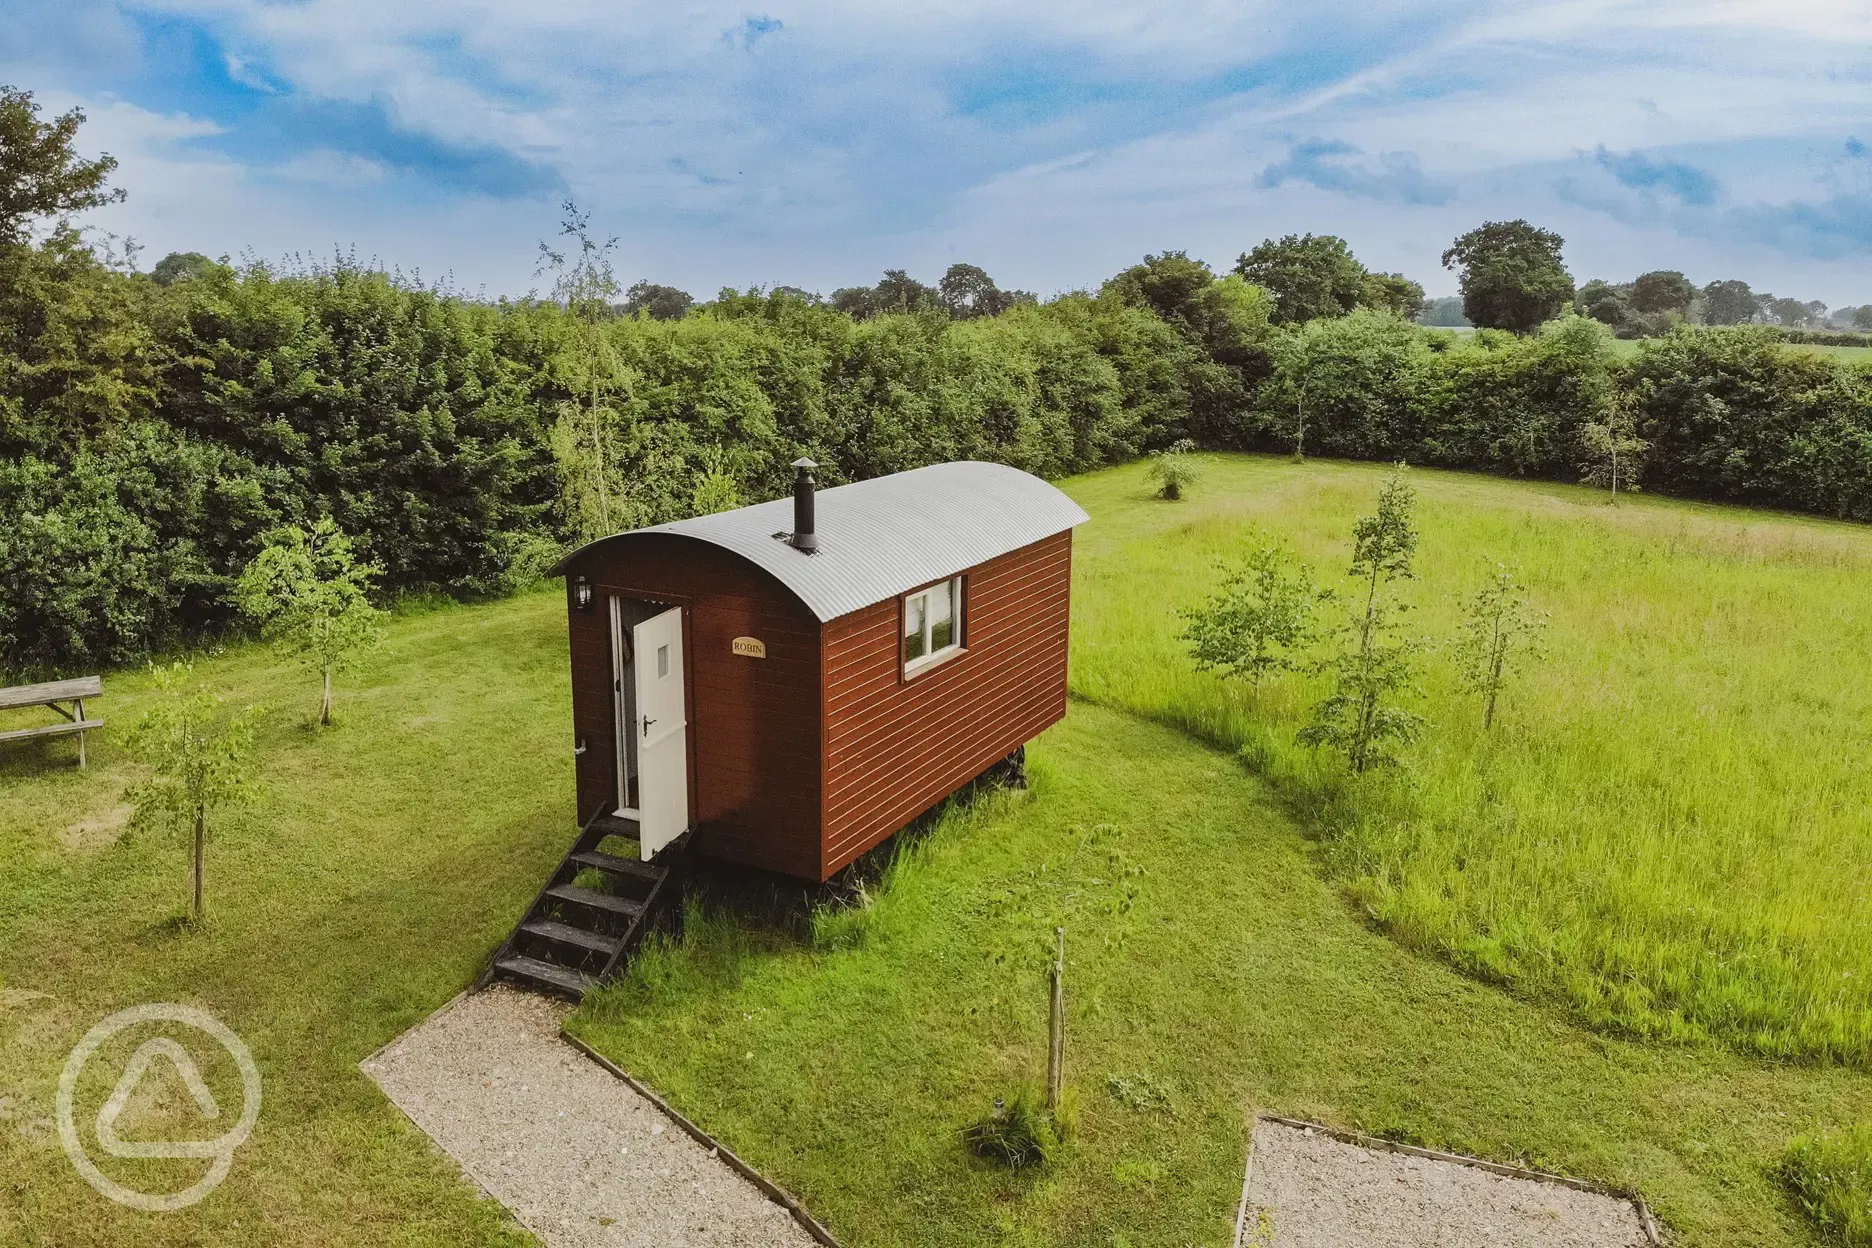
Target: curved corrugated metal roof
x=880, y=537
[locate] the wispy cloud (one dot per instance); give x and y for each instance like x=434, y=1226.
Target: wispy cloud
x=1335, y=165
x=816, y=143
x=1830, y=220
x=752, y=30
x=1827, y=229
x=1685, y=183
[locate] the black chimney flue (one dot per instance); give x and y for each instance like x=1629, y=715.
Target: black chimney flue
x=804, y=539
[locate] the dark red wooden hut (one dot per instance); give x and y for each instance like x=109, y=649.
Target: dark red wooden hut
x=795, y=681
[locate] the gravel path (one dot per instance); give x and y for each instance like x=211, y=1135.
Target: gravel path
x=579, y=1158
x=1309, y=1190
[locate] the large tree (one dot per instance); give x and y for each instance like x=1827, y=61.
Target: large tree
x=1394, y=293
x=663, y=303
x=1662, y=290
x=968, y=292
x=896, y=291
x=1511, y=275
x=1166, y=284
x=182, y=266
x=1309, y=275
x=40, y=172
x=1729, y=303
x=1605, y=302
x=1789, y=312
x=1224, y=327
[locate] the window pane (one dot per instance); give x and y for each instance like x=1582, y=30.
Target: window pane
x=662, y=661
x=916, y=608
x=942, y=616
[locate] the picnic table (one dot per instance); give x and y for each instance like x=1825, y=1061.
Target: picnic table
x=51, y=694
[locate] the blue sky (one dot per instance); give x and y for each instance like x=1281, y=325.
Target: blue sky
x=816, y=142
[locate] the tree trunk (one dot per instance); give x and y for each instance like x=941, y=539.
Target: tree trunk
x=201, y=853
x=1056, y=1025
x=598, y=454
x=325, y=702
x=1498, y=656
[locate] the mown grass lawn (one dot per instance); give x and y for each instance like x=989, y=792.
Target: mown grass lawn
x=383, y=860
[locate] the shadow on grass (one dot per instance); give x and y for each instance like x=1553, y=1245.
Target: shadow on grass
x=163, y=931
x=732, y=917
x=32, y=758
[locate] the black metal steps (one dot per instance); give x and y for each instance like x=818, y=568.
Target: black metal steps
x=617, y=866
x=565, y=934
x=550, y=973
x=573, y=937
x=596, y=900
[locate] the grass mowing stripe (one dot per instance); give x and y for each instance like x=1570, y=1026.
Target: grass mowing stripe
x=384, y=858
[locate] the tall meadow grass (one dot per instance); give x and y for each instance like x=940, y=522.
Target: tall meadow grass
x=1670, y=827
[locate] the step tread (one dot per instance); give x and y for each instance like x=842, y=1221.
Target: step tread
x=614, y=825
x=565, y=933
x=618, y=866
x=597, y=900
x=561, y=977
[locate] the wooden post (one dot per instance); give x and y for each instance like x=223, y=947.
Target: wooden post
x=1056, y=1029
x=79, y=703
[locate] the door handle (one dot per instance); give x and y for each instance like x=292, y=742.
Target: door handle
x=647, y=721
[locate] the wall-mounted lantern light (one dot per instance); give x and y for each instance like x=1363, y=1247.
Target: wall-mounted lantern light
x=582, y=594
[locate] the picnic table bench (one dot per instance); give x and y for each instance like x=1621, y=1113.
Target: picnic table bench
x=51, y=694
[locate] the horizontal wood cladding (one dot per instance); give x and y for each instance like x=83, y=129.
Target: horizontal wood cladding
x=754, y=723
x=894, y=747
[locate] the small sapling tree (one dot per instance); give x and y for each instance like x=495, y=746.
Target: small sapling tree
x=1375, y=664
x=1501, y=632
x=1259, y=618
x=201, y=758
x=1173, y=469
x=1297, y=354
x=1614, y=451
x=309, y=593
x=588, y=366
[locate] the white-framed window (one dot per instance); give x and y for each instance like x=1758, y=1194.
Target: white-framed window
x=932, y=624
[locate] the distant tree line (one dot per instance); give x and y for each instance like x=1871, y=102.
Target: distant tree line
x=159, y=429
x=1652, y=303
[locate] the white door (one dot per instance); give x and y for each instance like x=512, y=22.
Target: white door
x=662, y=739
x=624, y=719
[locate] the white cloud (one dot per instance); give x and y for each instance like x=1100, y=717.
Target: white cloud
x=843, y=139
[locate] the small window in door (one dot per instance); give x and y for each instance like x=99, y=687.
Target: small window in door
x=662, y=662
x=932, y=625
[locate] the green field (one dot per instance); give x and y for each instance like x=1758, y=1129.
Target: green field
x=1659, y=853
x=383, y=861
x=1670, y=829
x=1205, y=955
x=1628, y=347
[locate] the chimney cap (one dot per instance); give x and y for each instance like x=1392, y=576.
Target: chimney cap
x=803, y=462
